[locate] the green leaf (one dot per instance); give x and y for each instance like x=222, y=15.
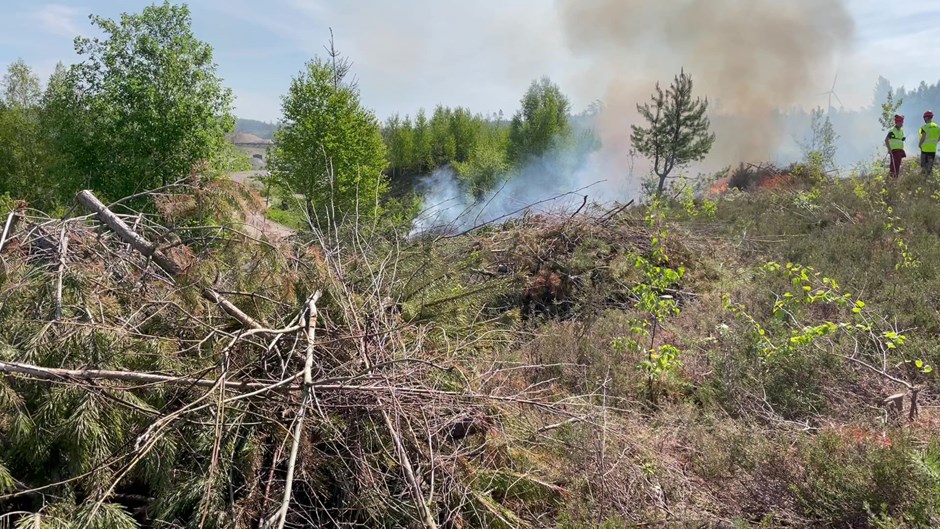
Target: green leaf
x=7, y=483
x=147, y=90
x=108, y=516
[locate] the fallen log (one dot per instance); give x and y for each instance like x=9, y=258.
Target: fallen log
x=93, y=375
x=91, y=203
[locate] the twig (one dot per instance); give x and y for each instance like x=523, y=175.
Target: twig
x=6, y=228
x=520, y=210
x=613, y=213
x=872, y=368
x=427, y=518
x=59, y=374
x=583, y=203
x=557, y=425
x=63, y=248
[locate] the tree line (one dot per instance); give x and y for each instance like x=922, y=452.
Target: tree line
x=145, y=108
x=481, y=149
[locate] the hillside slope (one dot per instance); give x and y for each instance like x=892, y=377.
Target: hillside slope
x=257, y=128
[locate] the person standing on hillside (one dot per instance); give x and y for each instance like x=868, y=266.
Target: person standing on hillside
x=929, y=136
x=894, y=141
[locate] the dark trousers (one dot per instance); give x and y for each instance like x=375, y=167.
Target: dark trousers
x=926, y=162
x=897, y=156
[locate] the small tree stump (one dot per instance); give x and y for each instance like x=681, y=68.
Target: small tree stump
x=894, y=405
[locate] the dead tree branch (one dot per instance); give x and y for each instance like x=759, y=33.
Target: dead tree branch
x=11, y=220
x=91, y=375
x=149, y=250
x=63, y=248
x=311, y=328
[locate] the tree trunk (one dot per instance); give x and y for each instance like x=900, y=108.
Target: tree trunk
x=308, y=205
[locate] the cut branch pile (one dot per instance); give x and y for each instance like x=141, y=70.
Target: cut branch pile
x=160, y=381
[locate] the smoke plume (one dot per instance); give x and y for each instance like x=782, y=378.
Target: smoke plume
x=751, y=58
x=560, y=180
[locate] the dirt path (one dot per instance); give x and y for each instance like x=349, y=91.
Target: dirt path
x=256, y=223
x=251, y=178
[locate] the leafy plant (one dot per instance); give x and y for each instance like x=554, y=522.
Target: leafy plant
x=145, y=107
x=653, y=301
x=541, y=123
x=329, y=148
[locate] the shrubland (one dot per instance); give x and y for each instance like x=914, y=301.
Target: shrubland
x=689, y=362
x=760, y=353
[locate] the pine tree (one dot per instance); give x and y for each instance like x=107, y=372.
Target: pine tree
x=678, y=129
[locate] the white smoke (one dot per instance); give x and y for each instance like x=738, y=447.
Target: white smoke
x=559, y=181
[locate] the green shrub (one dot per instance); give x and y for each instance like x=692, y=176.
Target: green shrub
x=850, y=480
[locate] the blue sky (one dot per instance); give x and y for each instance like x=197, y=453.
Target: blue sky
x=418, y=53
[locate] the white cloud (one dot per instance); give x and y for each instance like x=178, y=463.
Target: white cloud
x=58, y=19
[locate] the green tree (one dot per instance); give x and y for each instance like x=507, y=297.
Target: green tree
x=485, y=166
x=329, y=148
x=678, y=129
x=465, y=129
x=889, y=108
x=22, y=147
x=541, y=122
x=820, y=149
x=443, y=142
x=64, y=125
x=422, y=142
x=398, y=135
x=406, y=138
x=391, y=132
x=146, y=105
x=20, y=86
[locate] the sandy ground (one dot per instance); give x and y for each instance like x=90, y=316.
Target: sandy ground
x=249, y=177
x=256, y=223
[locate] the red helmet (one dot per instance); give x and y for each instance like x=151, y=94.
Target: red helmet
x=898, y=118
x=928, y=115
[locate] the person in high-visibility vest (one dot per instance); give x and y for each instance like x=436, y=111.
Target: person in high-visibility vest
x=894, y=141
x=929, y=136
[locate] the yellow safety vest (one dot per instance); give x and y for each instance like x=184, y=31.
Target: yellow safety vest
x=896, y=139
x=931, y=134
